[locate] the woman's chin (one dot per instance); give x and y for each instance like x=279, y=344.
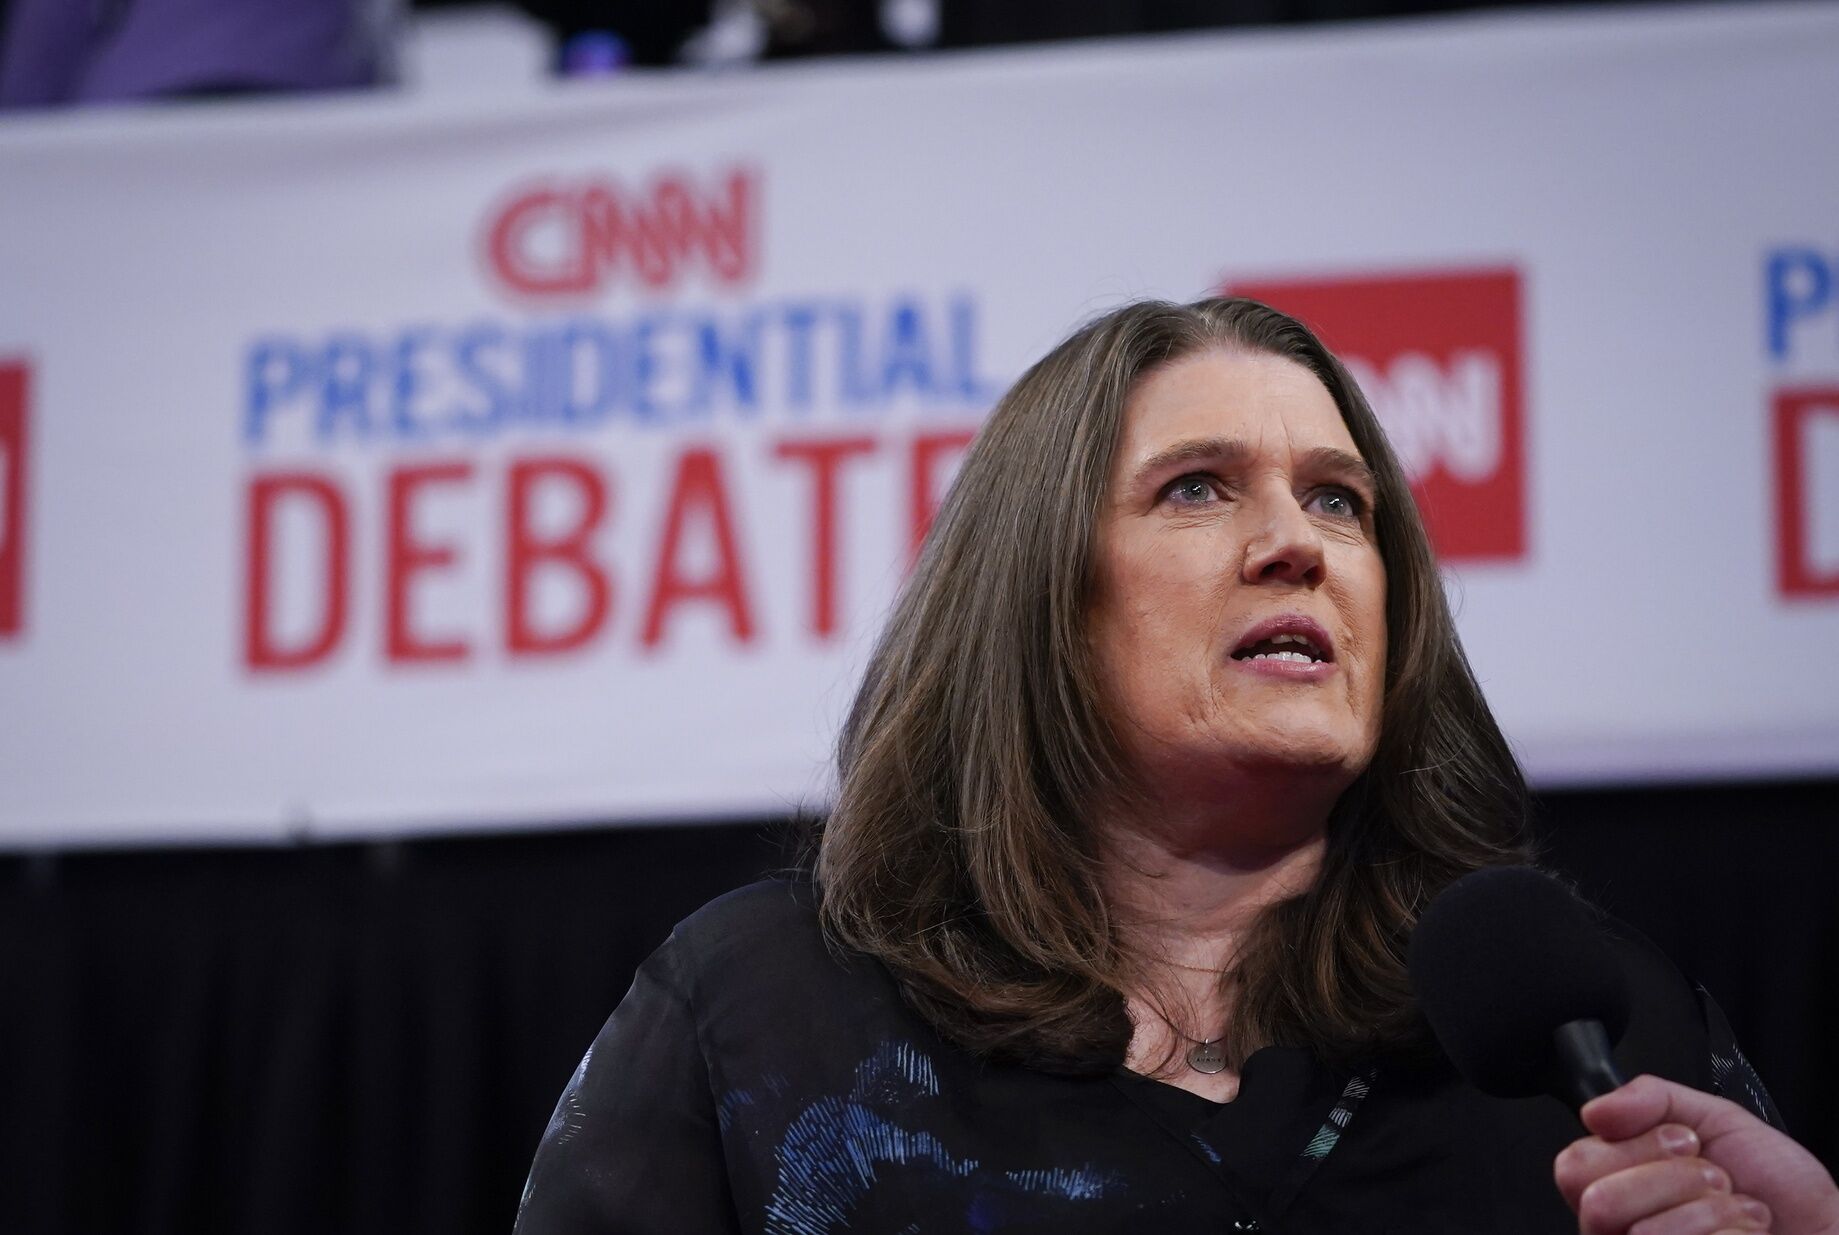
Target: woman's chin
x=1321, y=765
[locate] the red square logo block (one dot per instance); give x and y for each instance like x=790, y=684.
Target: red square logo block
x=1438, y=355
x=1806, y=483
x=14, y=387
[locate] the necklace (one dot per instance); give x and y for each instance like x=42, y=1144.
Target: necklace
x=1204, y=1055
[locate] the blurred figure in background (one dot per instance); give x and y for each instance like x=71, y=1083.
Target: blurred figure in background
x=62, y=52
x=594, y=37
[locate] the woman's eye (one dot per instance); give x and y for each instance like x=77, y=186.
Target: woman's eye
x=1191, y=490
x=1341, y=503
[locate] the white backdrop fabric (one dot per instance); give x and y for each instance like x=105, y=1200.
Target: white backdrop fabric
x=379, y=466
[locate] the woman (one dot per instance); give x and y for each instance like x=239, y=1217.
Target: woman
x=1167, y=743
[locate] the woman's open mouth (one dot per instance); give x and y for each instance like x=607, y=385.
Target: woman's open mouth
x=1291, y=647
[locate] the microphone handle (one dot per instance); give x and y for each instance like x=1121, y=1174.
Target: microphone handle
x=1586, y=1066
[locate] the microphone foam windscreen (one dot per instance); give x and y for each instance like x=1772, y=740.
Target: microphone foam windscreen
x=1500, y=960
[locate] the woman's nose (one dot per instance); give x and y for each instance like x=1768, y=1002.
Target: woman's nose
x=1287, y=546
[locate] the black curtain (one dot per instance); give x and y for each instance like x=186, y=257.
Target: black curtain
x=369, y=1038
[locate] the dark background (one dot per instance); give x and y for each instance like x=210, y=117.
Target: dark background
x=654, y=30
x=370, y=1038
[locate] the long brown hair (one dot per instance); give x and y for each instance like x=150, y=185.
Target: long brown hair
x=957, y=852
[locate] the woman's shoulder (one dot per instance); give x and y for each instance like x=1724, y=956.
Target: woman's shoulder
x=774, y=912
x=765, y=934
x=783, y=903
x=773, y=1003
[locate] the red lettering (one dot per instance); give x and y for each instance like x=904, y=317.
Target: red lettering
x=600, y=227
x=570, y=551
x=261, y=650
x=823, y=458
x=508, y=248
x=932, y=455
x=14, y=381
x=698, y=491
x=1796, y=573
x=406, y=557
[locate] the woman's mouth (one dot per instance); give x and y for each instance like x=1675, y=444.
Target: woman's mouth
x=1288, y=647
x=1283, y=647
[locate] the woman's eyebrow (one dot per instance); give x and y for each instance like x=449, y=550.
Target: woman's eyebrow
x=1229, y=451
x=1191, y=450
x=1332, y=459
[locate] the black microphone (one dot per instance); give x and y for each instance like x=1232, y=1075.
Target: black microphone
x=1520, y=986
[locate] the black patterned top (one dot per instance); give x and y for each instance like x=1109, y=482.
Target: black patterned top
x=753, y=1081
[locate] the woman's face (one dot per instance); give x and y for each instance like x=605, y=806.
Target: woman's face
x=1237, y=500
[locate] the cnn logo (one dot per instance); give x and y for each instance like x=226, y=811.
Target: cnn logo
x=573, y=239
x=1446, y=414
x=1439, y=357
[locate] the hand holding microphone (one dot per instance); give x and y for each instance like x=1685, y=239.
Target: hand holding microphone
x=1526, y=997
x=1651, y=1141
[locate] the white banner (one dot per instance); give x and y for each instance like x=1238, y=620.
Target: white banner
x=379, y=466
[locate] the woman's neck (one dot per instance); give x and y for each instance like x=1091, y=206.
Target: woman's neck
x=1181, y=901
x=1182, y=906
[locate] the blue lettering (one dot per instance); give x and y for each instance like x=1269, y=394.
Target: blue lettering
x=730, y=359
x=852, y=387
x=969, y=386
x=406, y=382
x=473, y=372
x=601, y=361
x=545, y=377
x=669, y=367
x=800, y=321
x=348, y=368
x=908, y=356
x=644, y=367
x=274, y=372
x=1792, y=297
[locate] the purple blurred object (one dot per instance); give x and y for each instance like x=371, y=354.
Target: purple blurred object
x=79, y=51
x=594, y=53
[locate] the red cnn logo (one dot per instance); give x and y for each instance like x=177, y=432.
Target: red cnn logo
x=13, y=391
x=1438, y=356
x=1806, y=470
x=572, y=239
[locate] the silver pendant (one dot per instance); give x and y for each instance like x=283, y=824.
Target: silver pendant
x=1207, y=1057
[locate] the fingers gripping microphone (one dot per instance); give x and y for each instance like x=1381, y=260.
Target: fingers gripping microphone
x=1520, y=986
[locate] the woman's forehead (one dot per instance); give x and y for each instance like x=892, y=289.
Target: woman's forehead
x=1266, y=404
